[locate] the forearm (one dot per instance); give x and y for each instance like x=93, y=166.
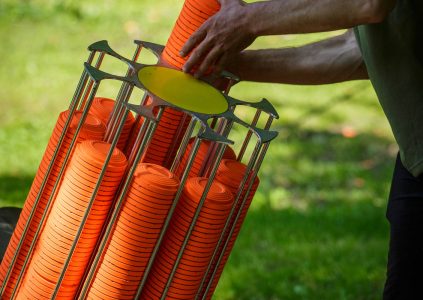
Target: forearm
x=333, y=60
x=303, y=16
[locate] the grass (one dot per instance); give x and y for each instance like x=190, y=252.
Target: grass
x=316, y=229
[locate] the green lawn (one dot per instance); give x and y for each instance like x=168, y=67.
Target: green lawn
x=316, y=229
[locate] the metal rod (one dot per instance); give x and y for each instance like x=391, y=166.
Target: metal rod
x=184, y=178
x=119, y=114
x=184, y=145
x=213, y=123
x=269, y=123
x=118, y=109
x=123, y=90
x=254, y=164
x=138, y=119
x=118, y=205
x=143, y=133
x=87, y=212
x=55, y=186
x=229, y=86
x=75, y=99
x=211, y=151
x=248, y=137
x=259, y=162
x=228, y=222
x=176, y=138
x=91, y=82
x=194, y=220
x=224, y=128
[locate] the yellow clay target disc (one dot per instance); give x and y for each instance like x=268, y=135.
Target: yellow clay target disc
x=182, y=90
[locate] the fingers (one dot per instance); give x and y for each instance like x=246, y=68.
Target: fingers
x=193, y=41
x=197, y=54
x=212, y=57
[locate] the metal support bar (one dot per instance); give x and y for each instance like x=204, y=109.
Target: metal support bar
x=147, y=125
x=138, y=119
x=195, y=218
x=91, y=82
x=175, y=139
x=184, y=145
x=224, y=127
x=184, y=178
x=120, y=111
x=123, y=96
x=87, y=212
x=248, y=137
x=74, y=103
x=253, y=165
x=56, y=185
x=229, y=221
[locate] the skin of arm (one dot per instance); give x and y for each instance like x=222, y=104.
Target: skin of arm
x=238, y=24
x=332, y=60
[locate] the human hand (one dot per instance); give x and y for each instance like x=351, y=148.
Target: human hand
x=220, y=38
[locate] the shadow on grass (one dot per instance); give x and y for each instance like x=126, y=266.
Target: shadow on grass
x=317, y=228
x=316, y=167
x=334, y=253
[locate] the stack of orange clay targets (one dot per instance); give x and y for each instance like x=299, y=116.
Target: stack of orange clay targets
x=231, y=173
x=136, y=232
x=102, y=108
x=93, y=129
x=199, y=250
x=173, y=122
x=139, y=201
x=65, y=219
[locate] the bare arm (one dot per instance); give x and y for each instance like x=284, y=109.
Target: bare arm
x=237, y=24
x=328, y=61
x=305, y=16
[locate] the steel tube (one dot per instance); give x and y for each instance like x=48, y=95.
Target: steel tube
x=193, y=153
x=123, y=91
x=90, y=204
x=228, y=221
x=194, y=221
x=254, y=164
x=176, y=138
x=248, y=137
x=118, y=205
x=91, y=82
x=120, y=111
x=184, y=145
x=74, y=103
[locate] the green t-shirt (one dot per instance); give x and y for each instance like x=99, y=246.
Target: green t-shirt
x=393, y=53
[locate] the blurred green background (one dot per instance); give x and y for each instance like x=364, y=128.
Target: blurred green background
x=316, y=229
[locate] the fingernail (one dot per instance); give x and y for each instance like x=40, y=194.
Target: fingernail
x=181, y=53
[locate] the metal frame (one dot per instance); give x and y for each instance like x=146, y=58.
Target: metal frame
x=217, y=134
